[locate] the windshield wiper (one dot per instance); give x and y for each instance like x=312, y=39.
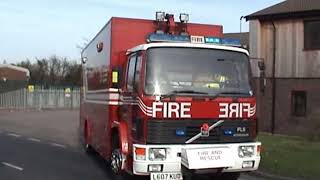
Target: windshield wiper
x=188, y=92
x=232, y=93
x=173, y=93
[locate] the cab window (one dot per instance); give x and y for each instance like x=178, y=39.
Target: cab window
x=134, y=71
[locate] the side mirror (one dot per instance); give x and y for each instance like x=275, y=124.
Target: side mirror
x=261, y=65
x=84, y=60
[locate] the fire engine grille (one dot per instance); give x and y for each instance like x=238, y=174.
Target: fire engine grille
x=164, y=131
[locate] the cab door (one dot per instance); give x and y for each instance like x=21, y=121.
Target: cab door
x=129, y=109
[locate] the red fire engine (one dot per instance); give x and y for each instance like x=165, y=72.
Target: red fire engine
x=165, y=98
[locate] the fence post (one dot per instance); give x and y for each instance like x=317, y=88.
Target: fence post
x=40, y=98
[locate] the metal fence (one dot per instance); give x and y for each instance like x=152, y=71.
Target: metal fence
x=40, y=99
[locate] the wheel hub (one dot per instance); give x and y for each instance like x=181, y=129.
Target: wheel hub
x=87, y=146
x=116, y=162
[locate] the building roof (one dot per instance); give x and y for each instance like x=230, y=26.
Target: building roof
x=288, y=9
x=187, y=45
x=17, y=68
x=243, y=37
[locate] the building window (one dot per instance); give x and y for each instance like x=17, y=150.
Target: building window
x=299, y=103
x=312, y=34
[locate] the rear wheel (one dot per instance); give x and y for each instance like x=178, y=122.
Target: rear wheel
x=87, y=147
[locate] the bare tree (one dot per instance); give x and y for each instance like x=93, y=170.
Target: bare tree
x=83, y=44
x=53, y=71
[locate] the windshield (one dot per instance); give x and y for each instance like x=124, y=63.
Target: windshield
x=196, y=71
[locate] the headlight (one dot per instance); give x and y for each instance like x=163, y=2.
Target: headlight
x=246, y=151
x=157, y=154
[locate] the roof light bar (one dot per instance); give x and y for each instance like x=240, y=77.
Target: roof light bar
x=156, y=37
x=231, y=42
x=213, y=40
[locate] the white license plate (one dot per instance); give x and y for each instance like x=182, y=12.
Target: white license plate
x=166, y=176
x=207, y=158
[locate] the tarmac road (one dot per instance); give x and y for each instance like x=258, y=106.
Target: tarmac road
x=39, y=146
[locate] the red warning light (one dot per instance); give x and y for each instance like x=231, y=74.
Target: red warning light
x=205, y=127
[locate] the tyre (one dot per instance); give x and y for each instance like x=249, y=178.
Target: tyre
x=87, y=147
x=116, y=162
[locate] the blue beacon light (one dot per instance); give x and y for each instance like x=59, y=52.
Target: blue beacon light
x=214, y=40
x=180, y=132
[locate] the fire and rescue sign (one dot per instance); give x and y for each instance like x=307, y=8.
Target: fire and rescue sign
x=203, y=158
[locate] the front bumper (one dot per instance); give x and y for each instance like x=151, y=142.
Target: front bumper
x=173, y=160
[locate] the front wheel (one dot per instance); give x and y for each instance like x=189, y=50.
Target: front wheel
x=116, y=161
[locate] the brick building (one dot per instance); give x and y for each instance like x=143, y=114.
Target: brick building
x=12, y=77
x=286, y=37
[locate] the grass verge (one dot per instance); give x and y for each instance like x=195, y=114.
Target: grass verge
x=290, y=156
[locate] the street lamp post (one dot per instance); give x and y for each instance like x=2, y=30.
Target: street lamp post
x=241, y=23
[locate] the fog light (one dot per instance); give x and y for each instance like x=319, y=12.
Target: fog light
x=154, y=168
x=247, y=164
x=180, y=132
x=245, y=151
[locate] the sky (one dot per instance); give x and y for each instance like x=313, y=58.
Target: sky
x=42, y=28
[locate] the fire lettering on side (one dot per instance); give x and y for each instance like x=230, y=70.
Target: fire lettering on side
x=171, y=109
x=236, y=110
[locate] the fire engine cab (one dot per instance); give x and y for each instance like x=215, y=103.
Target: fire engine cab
x=169, y=99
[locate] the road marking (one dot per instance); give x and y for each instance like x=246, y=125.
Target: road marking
x=34, y=139
x=58, y=145
x=14, y=135
x=12, y=166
